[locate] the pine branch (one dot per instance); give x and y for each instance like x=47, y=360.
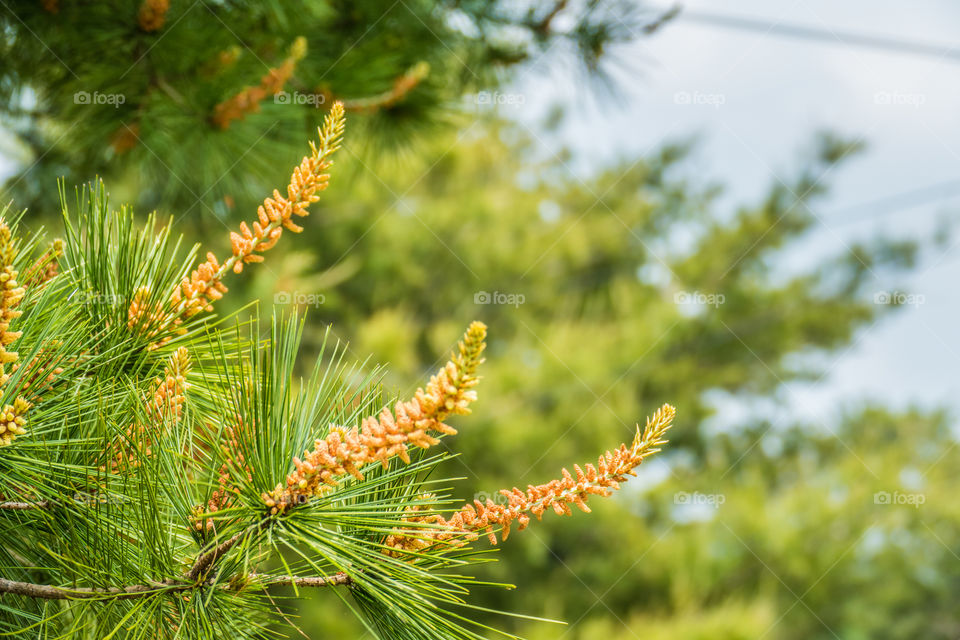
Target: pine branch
x=336, y=579
x=23, y=506
x=241, y=415
x=236, y=583
x=205, y=562
x=49, y=592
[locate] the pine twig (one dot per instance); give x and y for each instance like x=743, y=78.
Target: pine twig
x=13, y=505
x=49, y=592
x=336, y=579
x=237, y=583
x=206, y=561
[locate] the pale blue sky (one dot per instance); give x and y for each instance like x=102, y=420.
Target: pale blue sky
x=756, y=99
x=774, y=93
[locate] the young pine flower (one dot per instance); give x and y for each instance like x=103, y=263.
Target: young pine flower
x=38, y=374
x=169, y=394
x=165, y=403
x=141, y=315
x=276, y=214
x=46, y=267
x=612, y=468
x=205, y=284
x=380, y=438
x=12, y=419
x=11, y=293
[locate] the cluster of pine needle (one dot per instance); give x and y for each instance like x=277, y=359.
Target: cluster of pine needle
x=163, y=470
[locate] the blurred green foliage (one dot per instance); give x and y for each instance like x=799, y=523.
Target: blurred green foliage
x=605, y=297
x=91, y=88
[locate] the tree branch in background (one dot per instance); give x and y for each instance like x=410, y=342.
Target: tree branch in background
x=403, y=85
x=24, y=506
x=544, y=25
x=248, y=100
x=667, y=16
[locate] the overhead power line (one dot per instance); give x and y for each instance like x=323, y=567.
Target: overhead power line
x=827, y=35
x=866, y=210
x=898, y=202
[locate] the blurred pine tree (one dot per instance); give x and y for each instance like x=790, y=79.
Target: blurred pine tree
x=607, y=293
x=191, y=103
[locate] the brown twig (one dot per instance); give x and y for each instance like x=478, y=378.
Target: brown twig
x=544, y=25
x=206, y=561
x=49, y=592
x=13, y=505
x=337, y=579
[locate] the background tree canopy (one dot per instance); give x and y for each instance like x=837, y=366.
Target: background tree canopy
x=599, y=313
x=136, y=92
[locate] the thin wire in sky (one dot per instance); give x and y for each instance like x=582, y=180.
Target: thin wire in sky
x=830, y=35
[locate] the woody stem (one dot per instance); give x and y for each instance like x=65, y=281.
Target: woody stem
x=49, y=592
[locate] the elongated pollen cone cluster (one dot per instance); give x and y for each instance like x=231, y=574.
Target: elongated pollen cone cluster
x=170, y=393
x=164, y=406
x=345, y=450
x=612, y=468
x=227, y=490
x=12, y=420
x=204, y=286
x=276, y=214
x=11, y=293
x=149, y=318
